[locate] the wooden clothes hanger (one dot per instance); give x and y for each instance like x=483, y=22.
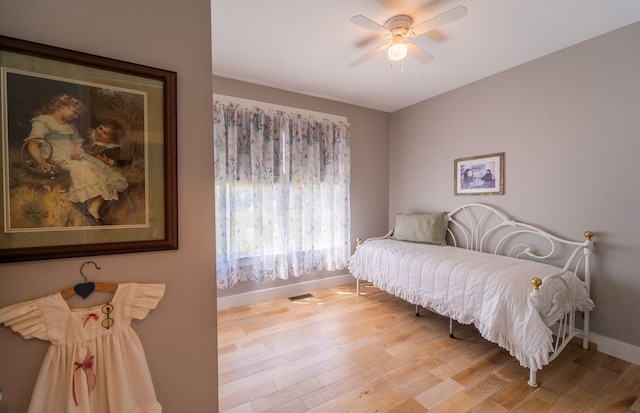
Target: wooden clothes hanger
x=86, y=288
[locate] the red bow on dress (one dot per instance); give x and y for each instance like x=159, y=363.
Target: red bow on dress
x=89, y=317
x=87, y=366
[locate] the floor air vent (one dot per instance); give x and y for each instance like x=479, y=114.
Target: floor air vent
x=300, y=297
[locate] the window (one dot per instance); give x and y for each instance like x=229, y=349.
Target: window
x=282, y=193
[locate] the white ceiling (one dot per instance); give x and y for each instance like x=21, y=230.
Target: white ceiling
x=305, y=46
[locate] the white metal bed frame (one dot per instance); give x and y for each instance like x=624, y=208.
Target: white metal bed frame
x=483, y=228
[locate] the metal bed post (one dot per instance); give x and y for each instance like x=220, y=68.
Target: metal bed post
x=587, y=281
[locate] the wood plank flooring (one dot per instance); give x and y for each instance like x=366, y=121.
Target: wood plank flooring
x=337, y=352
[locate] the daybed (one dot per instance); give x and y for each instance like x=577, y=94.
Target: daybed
x=477, y=266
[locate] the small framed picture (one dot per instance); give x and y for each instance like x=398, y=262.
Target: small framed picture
x=479, y=175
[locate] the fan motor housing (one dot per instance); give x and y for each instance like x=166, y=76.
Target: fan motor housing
x=399, y=22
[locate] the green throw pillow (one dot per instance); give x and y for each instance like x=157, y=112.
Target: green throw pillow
x=425, y=228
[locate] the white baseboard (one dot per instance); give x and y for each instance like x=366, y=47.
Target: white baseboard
x=615, y=348
x=253, y=297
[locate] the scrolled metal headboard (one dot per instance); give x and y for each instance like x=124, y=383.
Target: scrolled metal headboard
x=484, y=228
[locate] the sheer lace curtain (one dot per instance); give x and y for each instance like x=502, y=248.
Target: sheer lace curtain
x=282, y=199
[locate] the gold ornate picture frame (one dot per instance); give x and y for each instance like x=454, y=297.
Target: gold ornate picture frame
x=479, y=175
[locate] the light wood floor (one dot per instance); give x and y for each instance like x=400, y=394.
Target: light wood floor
x=338, y=352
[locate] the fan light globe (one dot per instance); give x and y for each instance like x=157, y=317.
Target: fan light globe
x=397, y=51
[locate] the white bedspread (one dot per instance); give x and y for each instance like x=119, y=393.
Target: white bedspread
x=490, y=291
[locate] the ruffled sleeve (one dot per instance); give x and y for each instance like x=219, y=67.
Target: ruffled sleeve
x=42, y=125
x=38, y=129
x=25, y=319
x=145, y=298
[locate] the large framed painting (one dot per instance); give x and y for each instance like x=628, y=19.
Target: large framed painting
x=88, y=152
x=479, y=175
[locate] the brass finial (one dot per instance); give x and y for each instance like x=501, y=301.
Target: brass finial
x=358, y=241
x=588, y=235
x=537, y=282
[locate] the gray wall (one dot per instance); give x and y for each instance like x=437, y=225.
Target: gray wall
x=179, y=337
x=369, y=163
x=569, y=124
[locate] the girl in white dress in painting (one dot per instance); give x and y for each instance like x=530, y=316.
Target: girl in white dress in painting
x=92, y=181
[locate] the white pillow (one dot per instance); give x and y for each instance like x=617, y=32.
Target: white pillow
x=425, y=228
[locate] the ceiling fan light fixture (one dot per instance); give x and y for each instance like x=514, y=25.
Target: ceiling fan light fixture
x=397, y=51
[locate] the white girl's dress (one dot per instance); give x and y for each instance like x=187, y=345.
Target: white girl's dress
x=89, y=368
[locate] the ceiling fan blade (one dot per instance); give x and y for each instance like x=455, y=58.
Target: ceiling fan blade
x=369, y=41
x=440, y=20
x=368, y=55
x=369, y=25
x=419, y=53
x=422, y=42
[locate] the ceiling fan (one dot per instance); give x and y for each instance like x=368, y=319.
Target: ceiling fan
x=398, y=31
